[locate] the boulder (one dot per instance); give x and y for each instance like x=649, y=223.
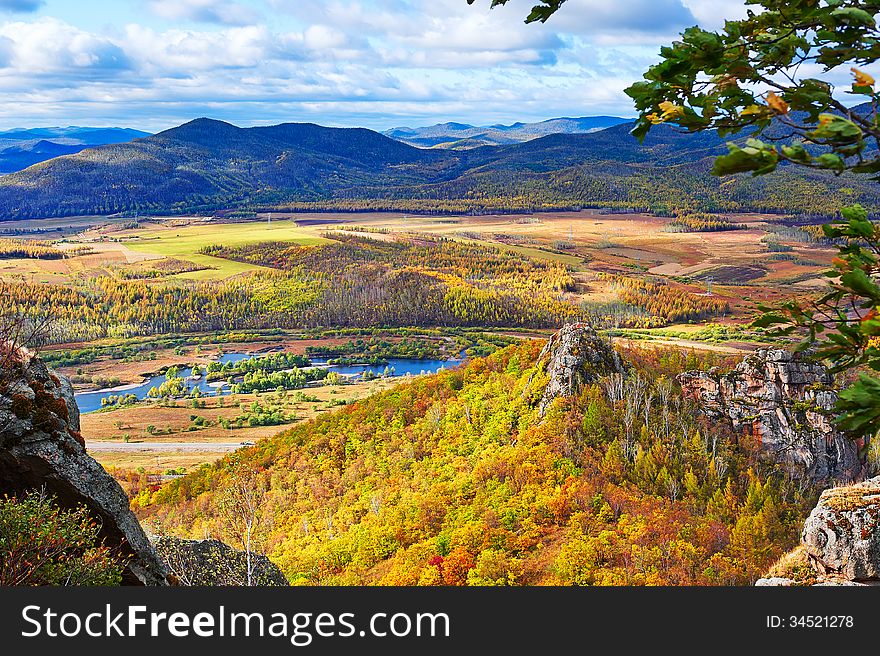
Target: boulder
x=41, y=447
x=786, y=402
x=842, y=533
x=575, y=356
x=215, y=563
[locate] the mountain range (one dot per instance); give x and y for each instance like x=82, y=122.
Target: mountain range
x=23, y=147
x=462, y=135
x=207, y=165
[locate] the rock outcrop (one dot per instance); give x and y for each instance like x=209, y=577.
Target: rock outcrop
x=842, y=534
x=215, y=563
x=786, y=402
x=576, y=356
x=40, y=446
x=840, y=543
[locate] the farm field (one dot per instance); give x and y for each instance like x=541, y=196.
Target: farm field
x=184, y=242
x=172, y=425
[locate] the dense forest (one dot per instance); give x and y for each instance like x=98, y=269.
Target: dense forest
x=205, y=166
x=451, y=479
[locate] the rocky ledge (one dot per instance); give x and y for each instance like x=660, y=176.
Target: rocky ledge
x=576, y=356
x=215, y=563
x=840, y=543
x=41, y=446
x=785, y=401
x=842, y=534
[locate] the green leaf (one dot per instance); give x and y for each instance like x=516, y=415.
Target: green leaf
x=853, y=16
x=831, y=161
x=859, y=282
x=757, y=157
x=796, y=152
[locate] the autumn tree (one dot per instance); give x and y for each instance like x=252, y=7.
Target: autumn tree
x=241, y=509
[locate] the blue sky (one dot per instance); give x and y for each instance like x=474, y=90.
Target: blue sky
x=153, y=64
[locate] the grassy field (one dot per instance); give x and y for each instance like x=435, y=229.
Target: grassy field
x=174, y=424
x=184, y=242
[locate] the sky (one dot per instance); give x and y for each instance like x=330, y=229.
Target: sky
x=153, y=64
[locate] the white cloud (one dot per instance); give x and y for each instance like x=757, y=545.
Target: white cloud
x=322, y=37
x=371, y=62
x=712, y=13
x=48, y=45
x=180, y=52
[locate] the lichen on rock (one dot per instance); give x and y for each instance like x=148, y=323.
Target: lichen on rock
x=840, y=541
x=842, y=534
x=41, y=447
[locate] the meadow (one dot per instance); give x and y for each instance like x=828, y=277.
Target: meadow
x=184, y=242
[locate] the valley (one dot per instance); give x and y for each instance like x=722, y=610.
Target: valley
x=395, y=294
x=206, y=296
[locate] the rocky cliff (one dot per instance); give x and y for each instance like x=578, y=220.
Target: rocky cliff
x=40, y=446
x=785, y=401
x=840, y=543
x=213, y=563
x=575, y=356
x=842, y=534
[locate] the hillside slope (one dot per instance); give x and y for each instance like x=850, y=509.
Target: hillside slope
x=454, y=479
x=206, y=165
x=21, y=148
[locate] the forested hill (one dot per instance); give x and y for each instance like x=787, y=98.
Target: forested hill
x=206, y=165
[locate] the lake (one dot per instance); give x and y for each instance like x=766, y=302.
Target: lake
x=91, y=401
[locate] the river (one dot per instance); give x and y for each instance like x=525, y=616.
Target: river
x=91, y=401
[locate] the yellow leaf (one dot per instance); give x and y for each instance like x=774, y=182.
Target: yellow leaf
x=670, y=110
x=862, y=78
x=752, y=110
x=777, y=104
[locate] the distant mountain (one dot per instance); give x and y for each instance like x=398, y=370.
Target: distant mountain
x=23, y=147
x=462, y=135
x=207, y=165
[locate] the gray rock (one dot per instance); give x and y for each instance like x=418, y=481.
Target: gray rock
x=786, y=402
x=774, y=582
x=215, y=563
x=836, y=583
x=842, y=534
x=575, y=356
x=41, y=446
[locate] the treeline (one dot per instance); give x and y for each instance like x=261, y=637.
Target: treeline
x=263, y=381
x=670, y=304
x=453, y=479
x=35, y=250
x=702, y=222
x=272, y=362
x=377, y=347
x=485, y=263
x=353, y=283
x=168, y=266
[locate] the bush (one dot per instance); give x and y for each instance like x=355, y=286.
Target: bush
x=42, y=544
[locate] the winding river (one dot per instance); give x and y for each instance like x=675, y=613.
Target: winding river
x=91, y=401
